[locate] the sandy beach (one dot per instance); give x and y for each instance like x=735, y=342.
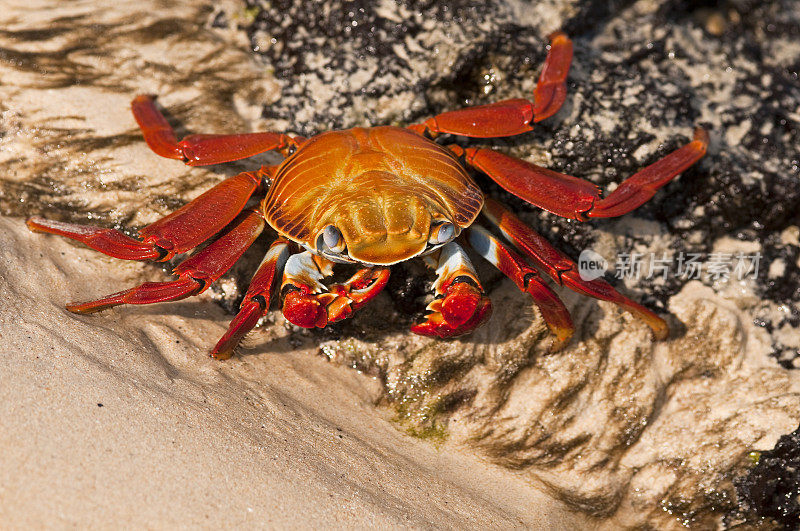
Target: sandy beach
x=127, y=423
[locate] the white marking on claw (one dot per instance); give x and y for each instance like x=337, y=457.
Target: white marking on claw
x=302, y=270
x=453, y=262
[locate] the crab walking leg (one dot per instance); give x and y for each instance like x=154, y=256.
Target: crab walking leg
x=641, y=186
x=308, y=303
x=562, y=269
x=202, y=149
x=571, y=197
x=514, y=116
x=256, y=300
x=551, y=90
x=527, y=279
x=195, y=273
x=184, y=229
x=460, y=305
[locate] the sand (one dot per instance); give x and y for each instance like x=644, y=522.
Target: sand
x=123, y=421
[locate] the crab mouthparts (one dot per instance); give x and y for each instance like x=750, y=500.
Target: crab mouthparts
x=384, y=229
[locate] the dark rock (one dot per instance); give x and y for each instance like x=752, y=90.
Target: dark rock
x=772, y=487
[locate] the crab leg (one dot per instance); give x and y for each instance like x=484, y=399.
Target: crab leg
x=308, y=303
x=195, y=273
x=202, y=149
x=562, y=269
x=551, y=90
x=256, y=300
x=527, y=279
x=571, y=197
x=460, y=305
x=176, y=233
x=514, y=116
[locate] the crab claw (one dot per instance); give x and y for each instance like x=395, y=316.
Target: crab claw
x=356, y=292
x=304, y=308
x=462, y=309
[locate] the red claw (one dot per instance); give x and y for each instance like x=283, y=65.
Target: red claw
x=460, y=304
x=356, y=292
x=303, y=309
x=461, y=311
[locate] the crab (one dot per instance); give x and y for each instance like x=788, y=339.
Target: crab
x=373, y=197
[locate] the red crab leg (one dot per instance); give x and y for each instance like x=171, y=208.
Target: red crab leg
x=562, y=269
x=184, y=229
x=256, y=300
x=460, y=305
x=308, y=303
x=551, y=90
x=527, y=279
x=571, y=197
x=515, y=116
x=202, y=149
x=195, y=273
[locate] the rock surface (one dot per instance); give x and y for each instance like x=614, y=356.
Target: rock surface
x=773, y=486
x=618, y=427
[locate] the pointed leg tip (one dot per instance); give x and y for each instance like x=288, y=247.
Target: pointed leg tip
x=221, y=354
x=561, y=339
x=144, y=98
x=37, y=224
x=250, y=312
x=660, y=330
x=657, y=325
x=224, y=348
x=701, y=135
x=558, y=36
x=85, y=308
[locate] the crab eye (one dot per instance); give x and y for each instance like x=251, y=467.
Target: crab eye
x=332, y=239
x=442, y=233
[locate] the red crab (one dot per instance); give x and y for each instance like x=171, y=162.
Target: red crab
x=375, y=197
